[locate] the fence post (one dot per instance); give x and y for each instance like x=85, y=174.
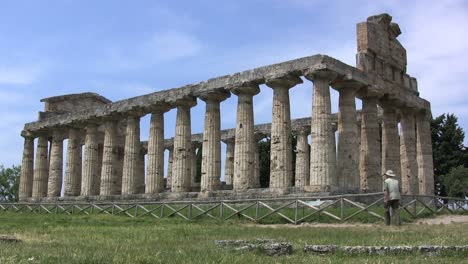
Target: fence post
x=190, y=212
x=342, y=209
x=221, y=211
x=295, y=212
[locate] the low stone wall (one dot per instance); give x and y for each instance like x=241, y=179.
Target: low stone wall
x=383, y=250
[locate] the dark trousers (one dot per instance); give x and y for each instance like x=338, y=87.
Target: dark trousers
x=392, y=212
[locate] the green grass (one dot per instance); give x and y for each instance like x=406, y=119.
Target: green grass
x=119, y=239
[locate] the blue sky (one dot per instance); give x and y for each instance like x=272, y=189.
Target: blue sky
x=122, y=49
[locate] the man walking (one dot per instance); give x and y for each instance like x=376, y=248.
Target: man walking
x=391, y=198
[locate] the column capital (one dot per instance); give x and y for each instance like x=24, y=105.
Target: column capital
x=347, y=85
x=387, y=103
x=159, y=108
x=216, y=96
x=28, y=134
x=246, y=88
x=366, y=93
x=229, y=140
x=312, y=74
x=304, y=130
x=187, y=101
x=285, y=81
x=58, y=133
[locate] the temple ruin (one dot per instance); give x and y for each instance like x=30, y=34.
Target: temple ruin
x=392, y=131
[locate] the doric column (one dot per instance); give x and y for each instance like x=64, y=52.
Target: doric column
x=302, y=157
x=182, y=165
x=323, y=149
x=211, y=149
x=110, y=182
x=390, y=139
x=73, y=164
x=369, y=165
x=141, y=186
x=348, y=148
x=244, y=152
x=97, y=185
x=193, y=164
x=56, y=164
x=155, y=166
x=131, y=181
x=281, y=137
x=41, y=168
x=424, y=152
x=91, y=161
x=409, y=165
x=170, y=162
x=256, y=177
x=27, y=166
x=229, y=161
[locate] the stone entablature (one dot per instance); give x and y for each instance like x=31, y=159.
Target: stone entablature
x=114, y=158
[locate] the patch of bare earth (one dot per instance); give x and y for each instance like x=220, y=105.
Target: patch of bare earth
x=440, y=220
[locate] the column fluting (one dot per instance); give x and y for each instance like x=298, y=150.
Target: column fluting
x=244, y=149
x=56, y=165
x=302, y=158
x=41, y=168
x=73, y=168
x=409, y=165
x=91, y=161
x=281, y=137
x=131, y=181
x=182, y=165
x=27, y=167
x=369, y=165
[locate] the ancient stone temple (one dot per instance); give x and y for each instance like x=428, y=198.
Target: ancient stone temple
x=344, y=152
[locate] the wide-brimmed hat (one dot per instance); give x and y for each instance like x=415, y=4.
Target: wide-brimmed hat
x=390, y=173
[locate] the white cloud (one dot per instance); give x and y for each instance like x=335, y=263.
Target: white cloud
x=161, y=47
x=11, y=75
x=172, y=45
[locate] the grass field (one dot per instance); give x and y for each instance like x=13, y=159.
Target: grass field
x=117, y=239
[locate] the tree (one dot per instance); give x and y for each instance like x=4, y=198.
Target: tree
x=456, y=182
x=448, y=150
x=9, y=183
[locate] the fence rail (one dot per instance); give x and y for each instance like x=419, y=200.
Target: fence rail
x=291, y=210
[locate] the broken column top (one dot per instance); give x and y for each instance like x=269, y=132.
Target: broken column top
x=73, y=102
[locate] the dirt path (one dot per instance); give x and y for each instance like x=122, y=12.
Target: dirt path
x=440, y=220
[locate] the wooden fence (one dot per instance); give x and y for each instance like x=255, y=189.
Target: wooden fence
x=340, y=208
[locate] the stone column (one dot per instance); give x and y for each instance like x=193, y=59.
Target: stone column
x=141, y=186
x=131, y=181
x=390, y=139
x=110, y=183
x=281, y=137
x=155, y=166
x=91, y=161
x=323, y=149
x=193, y=164
x=211, y=149
x=409, y=165
x=348, y=148
x=170, y=162
x=256, y=178
x=27, y=167
x=73, y=164
x=244, y=149
x=56, y=165
x=97, y=185
x=369, y=165
x=229, y=161
x=424, y=153
x=41, y=168
x=302, y=157
x=182, y=165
